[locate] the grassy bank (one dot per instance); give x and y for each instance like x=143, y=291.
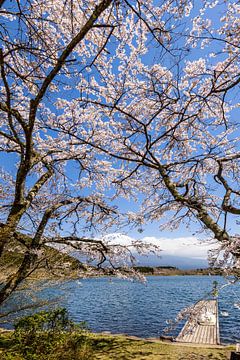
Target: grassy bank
x=107, y=347
x=55, y=264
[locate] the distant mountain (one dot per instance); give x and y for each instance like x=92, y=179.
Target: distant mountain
x=164, y=260
x=169, y=260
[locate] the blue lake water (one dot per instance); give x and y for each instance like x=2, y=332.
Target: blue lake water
x=121, y=306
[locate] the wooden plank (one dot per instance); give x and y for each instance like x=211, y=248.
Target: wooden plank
x=213, y=336
x=207, y=338
x=203, y=327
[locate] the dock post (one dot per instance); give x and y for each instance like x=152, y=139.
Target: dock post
x=235, y=355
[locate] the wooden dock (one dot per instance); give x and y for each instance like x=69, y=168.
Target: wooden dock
x=202, y=327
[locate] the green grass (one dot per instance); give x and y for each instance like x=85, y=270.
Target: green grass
x=122, y=348
x=109, y=347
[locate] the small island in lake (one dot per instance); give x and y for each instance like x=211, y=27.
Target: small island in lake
x=174, y=271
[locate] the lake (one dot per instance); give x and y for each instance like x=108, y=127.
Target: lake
x=121, y=306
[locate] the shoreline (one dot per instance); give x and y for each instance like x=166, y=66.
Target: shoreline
x=45, y=276
x=158, y=340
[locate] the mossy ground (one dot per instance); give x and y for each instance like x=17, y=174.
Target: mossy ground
x=109, y=347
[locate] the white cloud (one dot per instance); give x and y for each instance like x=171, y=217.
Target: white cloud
x=189, y=247
x=183, y=247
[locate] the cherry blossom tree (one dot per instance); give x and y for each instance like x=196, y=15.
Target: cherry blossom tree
x=173, y=122
x=57, y=188
x=136, y=96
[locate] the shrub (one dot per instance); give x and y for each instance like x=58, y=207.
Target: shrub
x=49, y=335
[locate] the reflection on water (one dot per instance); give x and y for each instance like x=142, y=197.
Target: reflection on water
x=132, y=308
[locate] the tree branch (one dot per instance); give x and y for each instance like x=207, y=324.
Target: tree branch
x=99, y=9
